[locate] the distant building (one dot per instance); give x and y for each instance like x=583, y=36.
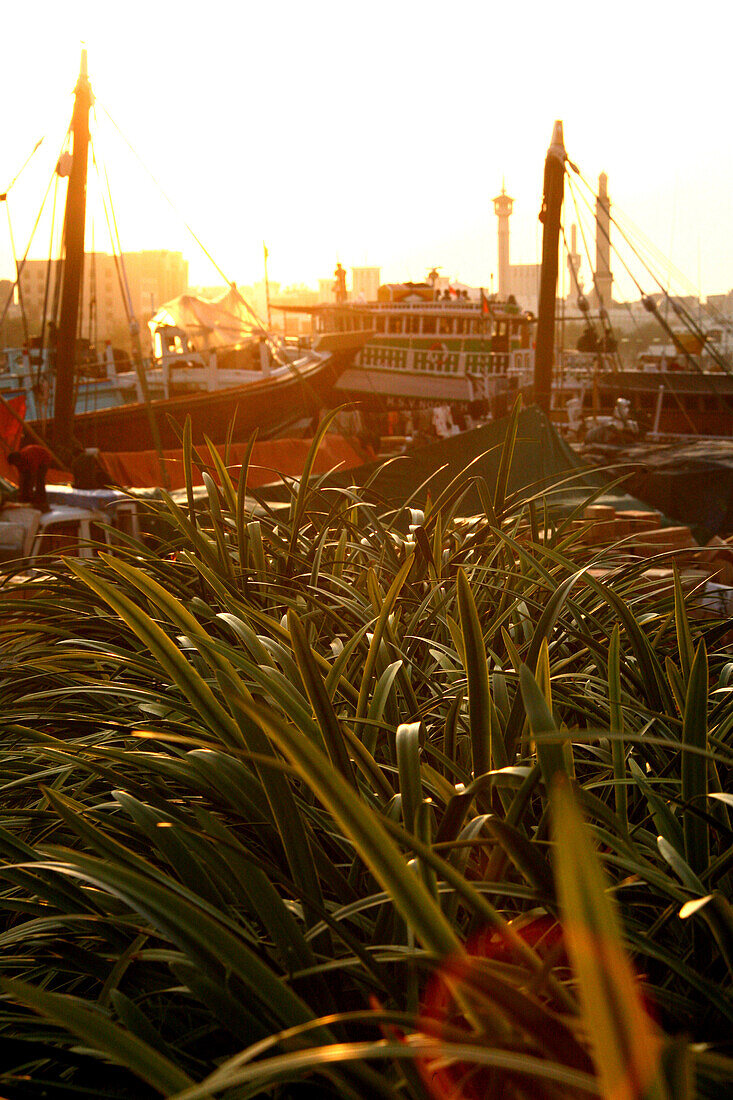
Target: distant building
x=523, y=281
x=720, y=305
x=7, y=287
x=326, y=292
x=152, y=278
x=365, y=283
x=520, y=280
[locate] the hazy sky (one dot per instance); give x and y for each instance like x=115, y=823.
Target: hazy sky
x=377, y=133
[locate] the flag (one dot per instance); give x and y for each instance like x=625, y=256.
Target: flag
x=485, y=307
x=11, y=429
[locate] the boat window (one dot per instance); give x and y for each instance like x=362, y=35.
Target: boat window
x=428, y=326
x=446, y=326
x=395, y=324
x=460, y=325
x=380, y=324
x=412, y=324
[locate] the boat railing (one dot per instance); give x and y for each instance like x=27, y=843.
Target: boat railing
x=440, y=359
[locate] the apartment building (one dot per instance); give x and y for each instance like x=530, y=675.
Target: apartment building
x=151, y=278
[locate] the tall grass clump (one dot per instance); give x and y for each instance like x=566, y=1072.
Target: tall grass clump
x=295, y=804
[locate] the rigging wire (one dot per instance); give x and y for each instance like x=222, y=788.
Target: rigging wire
x=649, y=304
x=47, y=286
x=114, y=236
x=19, y=267
x=258, y=323
x=25, y=164
x=16, y=284
x=607, y=334
x=272, y=341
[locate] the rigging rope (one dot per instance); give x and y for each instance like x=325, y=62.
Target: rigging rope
x=679, y=309
x=26, y=162
x=582, y=301
x=114, y=237
x=19, y=267
x=258, y=323
x=272, y=341
x=651, y=307
x=47, y=285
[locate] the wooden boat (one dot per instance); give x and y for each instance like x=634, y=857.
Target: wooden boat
x=267, y=402
x=280, y=383
x=429, y=347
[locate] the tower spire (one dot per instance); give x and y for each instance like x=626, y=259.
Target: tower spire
x=603, y=278
x=503, y=204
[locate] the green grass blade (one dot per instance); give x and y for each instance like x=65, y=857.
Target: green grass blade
x=695, y=765
x=541, y=722
x=618, y=751
x=225, y=481
x=329, y=724
x=542, y=632
x=507, y=456
x=193, y=687
x=487, y=745
x=367, y=834
x=626, y=1045
x=97, y=1030
x=304, y=488
x=379, y=630
x=188, y=469
x=685, y=644
x=407, y=742
x=666, y=823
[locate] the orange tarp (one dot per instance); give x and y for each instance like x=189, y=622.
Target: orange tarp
x=133, y=469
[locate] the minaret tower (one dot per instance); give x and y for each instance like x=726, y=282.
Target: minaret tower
x=502, y=208
x=574, y=261
x=604, y=278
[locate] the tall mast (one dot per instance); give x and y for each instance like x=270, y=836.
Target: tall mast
x=74, y=225
x=550, y=218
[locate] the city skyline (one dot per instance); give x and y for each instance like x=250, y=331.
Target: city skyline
x=376, y=141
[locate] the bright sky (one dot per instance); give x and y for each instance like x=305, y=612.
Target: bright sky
x=376, y=133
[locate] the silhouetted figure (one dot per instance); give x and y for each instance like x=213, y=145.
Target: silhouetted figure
x=339, y=287
x=32, y=463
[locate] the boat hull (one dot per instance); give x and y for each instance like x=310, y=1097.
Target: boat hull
x=266, y=405
x=671, y=402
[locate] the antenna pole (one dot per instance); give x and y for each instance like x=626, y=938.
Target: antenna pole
x=550, y=217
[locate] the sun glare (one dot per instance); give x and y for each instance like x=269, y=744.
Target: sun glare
x=372, y=135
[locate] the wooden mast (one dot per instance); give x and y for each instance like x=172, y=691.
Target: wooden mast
x=74, y=226
x=550, y=217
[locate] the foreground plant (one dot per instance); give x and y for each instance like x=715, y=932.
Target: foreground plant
x=303, y=804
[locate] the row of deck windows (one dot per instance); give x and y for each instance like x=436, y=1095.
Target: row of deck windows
x=442, y=326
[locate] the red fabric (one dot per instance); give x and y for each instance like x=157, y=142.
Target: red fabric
x=10, y=430
x=137, y=469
